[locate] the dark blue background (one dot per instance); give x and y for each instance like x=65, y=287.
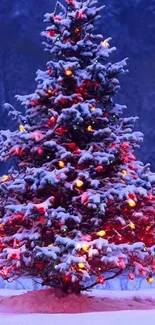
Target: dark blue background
x=130, y=23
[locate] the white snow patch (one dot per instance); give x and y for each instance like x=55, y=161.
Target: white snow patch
x=110, y=318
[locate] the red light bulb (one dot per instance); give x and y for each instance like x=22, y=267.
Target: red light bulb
x=99, y=169
x=100, y=279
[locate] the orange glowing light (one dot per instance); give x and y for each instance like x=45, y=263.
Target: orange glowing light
x=69, y=73
x=85, y=248
x=21, y=128
x=150, y=280
x=93, y=108
x=61, y=164
x=5, y=178
x=81, y=265
x=89, y=128
x=132, y=225
x=101, y=233
x=105, y=43
x=131, y=203
x=79, y=183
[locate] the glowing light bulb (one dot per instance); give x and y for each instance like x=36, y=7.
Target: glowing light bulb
x=89, y=128
x=93, y=108
x=69, y=73
x=124, y=172
x=76, y=30
x=105, y=43
x=50, y=245
x=131, y=276
x=131, y=203
x=49, y=91
x=100, y=279
x=51, y=33
x=85, y=248
x=79, y=183
x=99, y=169
x=21, y=128
x=150, y=279
x=101, y=233
x=5, y=178
x=132, y=225
x=61, y=164
x=81, y=265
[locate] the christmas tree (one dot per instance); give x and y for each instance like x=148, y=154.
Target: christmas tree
x=77, y=207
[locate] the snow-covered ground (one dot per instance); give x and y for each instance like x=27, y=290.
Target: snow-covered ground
x=136, y=317
x=109, y=318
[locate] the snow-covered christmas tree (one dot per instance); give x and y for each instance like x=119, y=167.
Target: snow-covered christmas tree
x=78, y=205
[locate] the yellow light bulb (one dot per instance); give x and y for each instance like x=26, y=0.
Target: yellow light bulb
x=50, y=245
x=21, y=128
x=5, y=178
x=101, y=233
x=131, y=203
x=85, y=248
x=49, y=91
x=89, y=128
x=93, y=108
x=105, y=43
x=132, y=225
x=150, y=280
x=79, y=183
x=124, y=172
x=81, y=265
x=61, y=164
x=68, y=73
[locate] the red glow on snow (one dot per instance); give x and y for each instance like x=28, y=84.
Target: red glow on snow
x=41, y=208
x=33, y=102
x=51, y=121
x=100, y=279
x=40, y=151
x=125, y=145
x=131, y=276
x=58, y=18
x=51, y=33
x=61, y=130
x=37, y=136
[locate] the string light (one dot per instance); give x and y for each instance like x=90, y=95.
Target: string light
x=101, y=233
x=131, y=276
x=76, y=30
x=5, y=178
x=99, y=169
x=131, y=203
x=150, y=279
x=51, y=33
x=21, y=128
x=132, y=225
x=124, y=172
x=49, y=91
x=85, y=248
x=81, y=265
x=105, y=43
x=93, y=108
x=79, y=183
x=89, y=128
x=57, y=18
x=100, y=279
x=69, y=73
x=61, y=164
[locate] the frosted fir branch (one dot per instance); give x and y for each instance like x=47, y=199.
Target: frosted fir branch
x=106, y=279
x=13, y=113
x=59, y=5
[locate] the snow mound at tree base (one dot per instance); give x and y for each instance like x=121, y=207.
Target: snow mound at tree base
x=45, y=302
